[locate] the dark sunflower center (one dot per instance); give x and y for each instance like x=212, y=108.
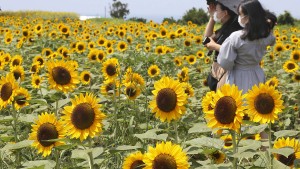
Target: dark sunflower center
x=47, y=131
x=109, y=87
x=130, y=91
x=83, y=116
x=216, y=155
x=296, y=56
x=6, y=91
x=80, y=47
x=279, y=48
x=297, y=77
x=153, y=71
x=17, y=74
x=289, y=161
x=61, y=75
x=122, y=46
x=100, y=56
x=93, y=57
x=291, y=66
x=111, y=70
x=21, y=100
x=251, y=137
x=16, y=62
x=47, y=53
x=34, y=68
x=225, y=110
x=264, y=103
x=166, y=99
x=164, y=161
x=228, y=142
x=138, y=164
x=187, y=43
x=64, y=30
x=37, y=81
x=272, y=83
x=86, y=77
x=191, y=59
x=101, y=42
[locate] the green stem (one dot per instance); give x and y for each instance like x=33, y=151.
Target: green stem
x=234, y=144
x=270, y=146
x=56, y=108
x=15, y=121
x=91, y=154
x=57, y=159
x=176, y=131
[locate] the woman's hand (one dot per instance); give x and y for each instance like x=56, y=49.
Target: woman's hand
x=211, y=9
x=212, y=45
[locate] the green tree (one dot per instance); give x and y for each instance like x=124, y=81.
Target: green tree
x=170, y=20
x=197, y=16
x=119, y=10
x=286, y=19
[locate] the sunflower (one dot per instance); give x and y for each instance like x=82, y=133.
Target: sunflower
x=85, y=77
x=46, y=52
x=101, y=41
x=167, y=156
x=279, y=47
x=2, y=63
x=62, y=76
x=252, y=137
x=83, y=118
x=39, y=59
x=178, y=61
x=207, y=60
x=110, y=87
x=296, y=77
x=172, y=35
x=16, y=60
x=169, y=99
x=217, y=157
x=153, y=71
x=206, y=101
x=122, y=46
x=134, y=161
x=8, y=38
x=80, y=47
x=290, y=143
x=200, y=54
x=227, y=141
x=147, y=47
x=100, y=56
x=109, y=50
x=36, y=81
x=111, y=68
x=132, y=90
x=290, y=66
x=183, y=76
x=160, y=50
x=273, y=82
x=295, y=55
x=21, y=98
x=187, y=42
x=163, y=32
x=188, y=89
x=47, y=127
x=227, y=108
x=191, y=59
x=18, y=72
x=264, y=103
x=93, y=55
x=134, y=78
x=8, y=87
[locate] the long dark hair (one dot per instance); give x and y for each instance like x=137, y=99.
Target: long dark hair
x=257, y=26
x=227, y=28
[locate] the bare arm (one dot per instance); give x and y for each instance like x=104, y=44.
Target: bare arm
x=209, y=30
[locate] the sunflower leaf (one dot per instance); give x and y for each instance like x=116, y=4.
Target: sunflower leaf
x=206, y=141
x=199, y=128
x=79, y=154
x=285, y=133
x=151, y=134
x=247, y=145
x=45, y=164
x=285, y=151
x=256, y=129
x=19, y=145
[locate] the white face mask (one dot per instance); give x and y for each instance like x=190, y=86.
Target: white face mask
x=216, y=19
x=240, y=21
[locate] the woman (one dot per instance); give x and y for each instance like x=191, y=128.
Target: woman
x=224, y=12
x=242, y=51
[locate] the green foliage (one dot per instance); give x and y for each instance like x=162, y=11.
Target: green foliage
x=169, y=20
x=286, y=19
x=136, y=19
x=119, y=9
x=197, y=16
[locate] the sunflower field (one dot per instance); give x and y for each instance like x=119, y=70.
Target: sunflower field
x=121, y=94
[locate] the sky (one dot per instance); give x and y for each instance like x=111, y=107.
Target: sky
x=149, y=9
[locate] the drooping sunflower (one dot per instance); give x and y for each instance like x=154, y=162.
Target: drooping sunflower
x=291, y=143
x=227, y=108
x=153, y=71
x=83, y=118
x=290, y=66
x=273, y=82
x=132, y=91
x=21, y=98
x=8, y=87
x=169, y=99
x=227, y=141
x=111, y=68
x=296, y=77
x=206, y=101
x=264, y=103
x=217, y=157
x=295, y=55
x=18, y=72
x=134, y=161
x=62, y=76
x=36, y=81
x=47, y=127
x=85, y=77
x=167, y=156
